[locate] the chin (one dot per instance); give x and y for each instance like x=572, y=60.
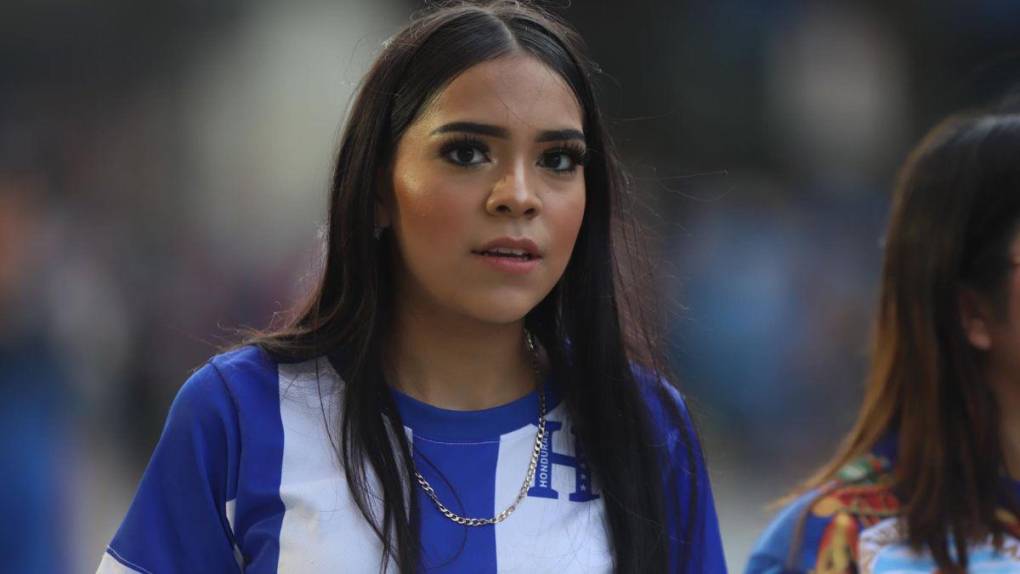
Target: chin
x=499, y=310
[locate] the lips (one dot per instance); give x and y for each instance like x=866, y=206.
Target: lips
x=520, y=249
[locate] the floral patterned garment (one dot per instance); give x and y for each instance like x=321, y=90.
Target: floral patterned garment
x=852, y=526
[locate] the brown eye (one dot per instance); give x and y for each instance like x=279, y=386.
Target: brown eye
x=466, y=156
x=558, y=161
x=465, y=152
x=563, y=160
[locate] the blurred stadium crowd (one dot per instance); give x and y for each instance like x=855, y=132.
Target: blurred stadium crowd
x=163, y=174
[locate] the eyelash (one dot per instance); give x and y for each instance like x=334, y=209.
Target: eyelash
x=463, y=142
x=577, y=154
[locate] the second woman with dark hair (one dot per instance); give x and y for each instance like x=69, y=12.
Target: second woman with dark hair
x=469, y=388
x=928, y=480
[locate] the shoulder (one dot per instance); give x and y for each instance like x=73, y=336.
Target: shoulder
x=820, y=530
x=224, y=385
x=247, y=363
x=674, y=433
x=664, y=401
x=772, y=553
x=249, y=373
x=667, y=411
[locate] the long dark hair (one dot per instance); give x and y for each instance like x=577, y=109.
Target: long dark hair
x=956, y=210
x=348, y=313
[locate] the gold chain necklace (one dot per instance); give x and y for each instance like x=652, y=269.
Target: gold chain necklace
x=532, y=465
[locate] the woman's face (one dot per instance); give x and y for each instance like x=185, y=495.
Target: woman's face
x=488, y=192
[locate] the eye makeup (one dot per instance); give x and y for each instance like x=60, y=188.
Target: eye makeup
x=467, y=151
x=576, y=153
x=451, y=150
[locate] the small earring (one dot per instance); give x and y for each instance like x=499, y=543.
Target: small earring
x=377, y=232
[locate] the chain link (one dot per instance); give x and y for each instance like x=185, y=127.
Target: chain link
x=532, y=465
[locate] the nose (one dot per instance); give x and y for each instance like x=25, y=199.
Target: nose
x=513, y=195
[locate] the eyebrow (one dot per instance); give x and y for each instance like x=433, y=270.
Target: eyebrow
x=503, y=133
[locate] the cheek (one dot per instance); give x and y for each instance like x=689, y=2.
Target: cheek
x=565, y=222
x=428, y=213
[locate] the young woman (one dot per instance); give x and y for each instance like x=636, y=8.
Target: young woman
x=467, y=389
x=928, y=480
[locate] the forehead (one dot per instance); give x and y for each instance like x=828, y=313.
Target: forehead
x=518, y=92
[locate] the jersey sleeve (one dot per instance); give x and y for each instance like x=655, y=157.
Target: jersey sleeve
x=180, y=520
x=772, y=553
x=696, y=544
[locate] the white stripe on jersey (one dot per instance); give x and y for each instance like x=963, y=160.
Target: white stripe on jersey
x=323, y=530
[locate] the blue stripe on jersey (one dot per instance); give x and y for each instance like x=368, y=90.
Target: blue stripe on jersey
x=453, y=473
x=457, y=453
x=183, y=493
x=253, y=381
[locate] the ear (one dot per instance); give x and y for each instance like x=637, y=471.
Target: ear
x=975, y=319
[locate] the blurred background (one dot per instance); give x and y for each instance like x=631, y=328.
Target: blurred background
x=163, y=177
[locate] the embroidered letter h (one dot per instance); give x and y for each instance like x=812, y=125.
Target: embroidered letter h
x=542, y=487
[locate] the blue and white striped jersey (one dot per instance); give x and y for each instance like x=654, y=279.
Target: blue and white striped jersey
x=245, y=479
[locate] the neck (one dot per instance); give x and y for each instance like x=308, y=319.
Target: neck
x=1007, y=395
x=457, y=363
